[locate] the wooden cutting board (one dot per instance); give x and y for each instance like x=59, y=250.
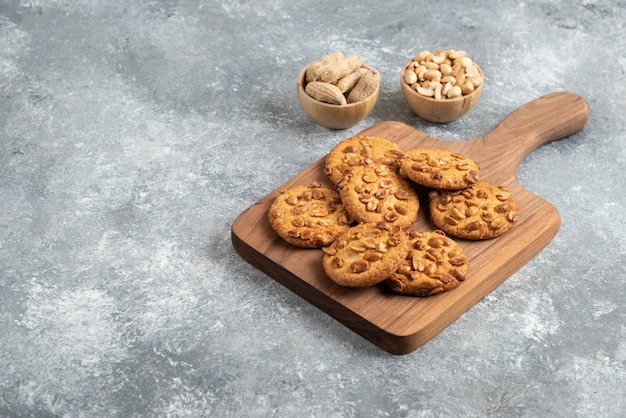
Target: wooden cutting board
x=400, y=324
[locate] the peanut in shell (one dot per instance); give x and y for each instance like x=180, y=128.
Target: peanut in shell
x=325, y=92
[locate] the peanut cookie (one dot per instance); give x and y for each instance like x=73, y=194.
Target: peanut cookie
x=433, y=264
x=377, y=193
x=480, y=211
x=439, y=169
x=365, y=255
x=359, y=150
x=309, y=216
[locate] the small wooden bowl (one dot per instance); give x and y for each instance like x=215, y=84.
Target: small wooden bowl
x=334, y=116
x=439, y=111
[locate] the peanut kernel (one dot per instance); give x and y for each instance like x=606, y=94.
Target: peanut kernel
x=359, y=266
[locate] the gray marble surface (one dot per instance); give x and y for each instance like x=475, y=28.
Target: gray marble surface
x=132, y=134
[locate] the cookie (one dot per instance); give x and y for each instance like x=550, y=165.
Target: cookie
x=309, y=216
x=359, y=150
x=434, y=264
x=365, y=255
x=377, y=193
x=439, y=169
x=481, y=211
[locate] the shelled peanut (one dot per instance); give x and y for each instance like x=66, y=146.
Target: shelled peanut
x=443, y=74
x=339, y=79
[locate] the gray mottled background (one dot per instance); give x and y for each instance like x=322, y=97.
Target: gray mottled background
x=132, y=134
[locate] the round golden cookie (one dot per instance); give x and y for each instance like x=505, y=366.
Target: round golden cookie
x=481, y=211
x=377, y=193
x=433, y=264
x=439, y=169
x=309, y=216
x=359, y=150
x=365, y=255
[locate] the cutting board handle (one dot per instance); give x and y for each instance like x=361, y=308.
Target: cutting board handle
x=543, y=120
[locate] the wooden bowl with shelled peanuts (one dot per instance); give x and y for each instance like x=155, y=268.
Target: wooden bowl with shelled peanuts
x=441, y=86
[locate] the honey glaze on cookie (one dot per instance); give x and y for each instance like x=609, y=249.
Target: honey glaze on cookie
x=482, y=211
x=434, y=264
x=377, y=193
x=309, y=216
x=365, y=255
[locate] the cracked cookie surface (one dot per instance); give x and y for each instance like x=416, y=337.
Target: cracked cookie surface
x=377, y=193
x=434, y=264
x=438, y=168
x=359, y=150
x=365, y=255
x=481, y=211
x=309, y=216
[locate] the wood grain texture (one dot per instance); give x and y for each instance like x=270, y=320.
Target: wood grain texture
x=400, y=324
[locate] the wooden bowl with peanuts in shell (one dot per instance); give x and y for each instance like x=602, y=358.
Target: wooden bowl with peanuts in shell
x=338, y=91
x=441, y=86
